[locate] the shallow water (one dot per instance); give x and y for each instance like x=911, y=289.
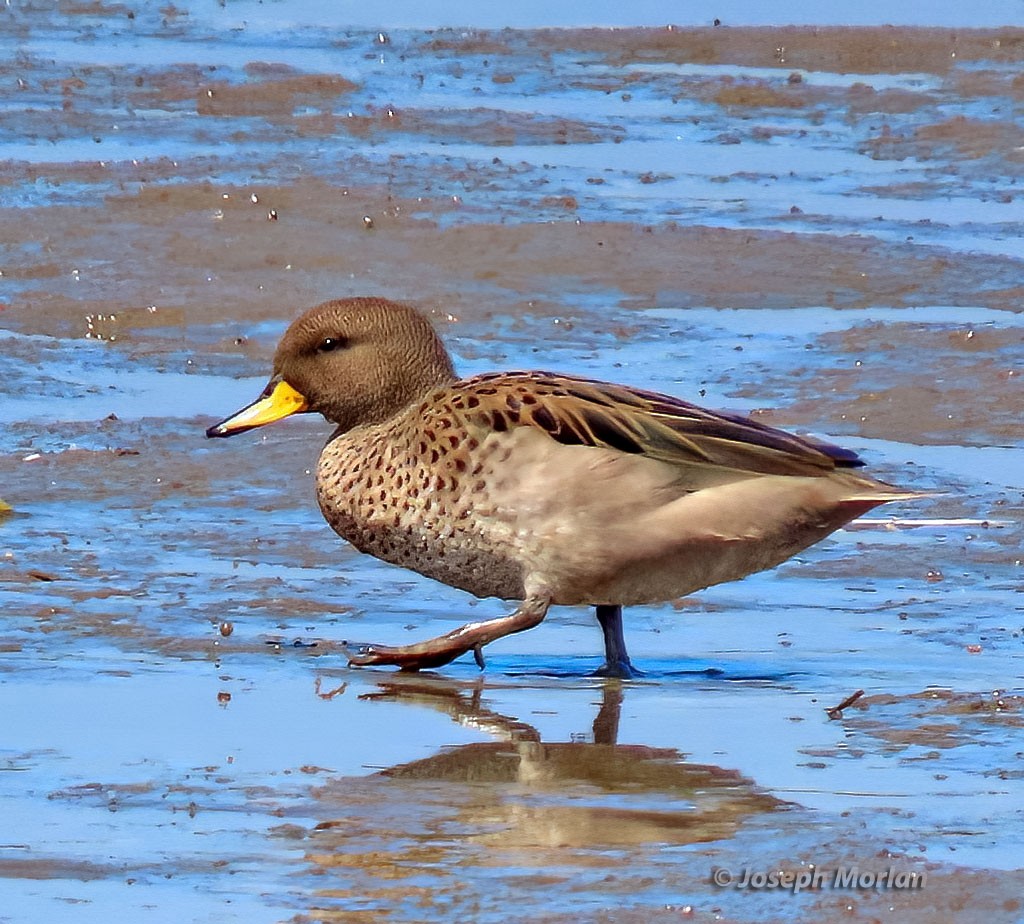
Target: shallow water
x=785, y=222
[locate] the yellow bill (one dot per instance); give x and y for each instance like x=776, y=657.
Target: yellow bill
x=278, y=400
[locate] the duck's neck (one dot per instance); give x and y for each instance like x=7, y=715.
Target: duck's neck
x=382, y=401
x=423, y=374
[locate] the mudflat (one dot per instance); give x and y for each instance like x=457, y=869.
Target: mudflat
x=817, y=226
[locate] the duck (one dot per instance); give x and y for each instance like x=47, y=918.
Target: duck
x=541, y=488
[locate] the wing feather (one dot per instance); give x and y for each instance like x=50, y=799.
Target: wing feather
x=577, y=411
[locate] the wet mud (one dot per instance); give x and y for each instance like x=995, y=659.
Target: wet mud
x=817, y=226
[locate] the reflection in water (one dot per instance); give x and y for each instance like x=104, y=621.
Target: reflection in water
x=466, y=825
x=695, y=802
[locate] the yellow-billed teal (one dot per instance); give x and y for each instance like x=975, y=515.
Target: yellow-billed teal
x=537, y=486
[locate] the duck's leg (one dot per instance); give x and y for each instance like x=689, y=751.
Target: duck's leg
x=616, y=658
x=436, y=652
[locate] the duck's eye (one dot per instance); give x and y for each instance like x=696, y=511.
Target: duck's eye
x=330, y=344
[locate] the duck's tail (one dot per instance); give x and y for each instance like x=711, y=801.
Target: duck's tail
x=860, y=503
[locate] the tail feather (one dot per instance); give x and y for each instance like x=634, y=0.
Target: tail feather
x=884, y=497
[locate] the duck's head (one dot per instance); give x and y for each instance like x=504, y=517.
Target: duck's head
x=354, y=360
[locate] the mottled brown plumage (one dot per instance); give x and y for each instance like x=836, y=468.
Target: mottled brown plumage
x=541, y=487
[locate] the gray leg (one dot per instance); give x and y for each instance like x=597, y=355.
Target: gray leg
x=616, y=658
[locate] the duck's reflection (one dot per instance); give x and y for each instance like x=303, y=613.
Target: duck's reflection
x=521, y=791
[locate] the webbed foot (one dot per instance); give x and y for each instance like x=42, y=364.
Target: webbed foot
x=619, y=670
x=404, y=657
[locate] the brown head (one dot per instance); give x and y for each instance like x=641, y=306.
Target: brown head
x=354, y=360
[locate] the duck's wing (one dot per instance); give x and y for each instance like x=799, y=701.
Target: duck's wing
x=577, y=411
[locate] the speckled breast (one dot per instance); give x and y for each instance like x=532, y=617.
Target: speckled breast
x=413, y=497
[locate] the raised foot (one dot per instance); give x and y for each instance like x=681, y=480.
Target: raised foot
x=436, y=652
x=404, y=657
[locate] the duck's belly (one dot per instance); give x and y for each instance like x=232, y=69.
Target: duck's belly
x=456, y=561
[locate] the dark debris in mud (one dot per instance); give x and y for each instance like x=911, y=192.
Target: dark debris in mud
x=938, y=719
